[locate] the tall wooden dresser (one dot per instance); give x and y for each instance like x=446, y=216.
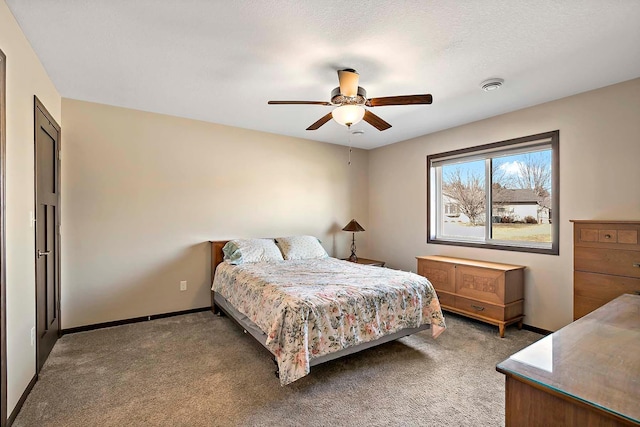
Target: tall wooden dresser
x=606, y=263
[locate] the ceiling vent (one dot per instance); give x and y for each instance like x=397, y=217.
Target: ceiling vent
x=491, y=84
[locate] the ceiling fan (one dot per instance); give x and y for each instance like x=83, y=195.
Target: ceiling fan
x=350, y=100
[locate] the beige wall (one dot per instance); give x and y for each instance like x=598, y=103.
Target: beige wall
x=144, y=192
x=599, y=176
x=25, y=77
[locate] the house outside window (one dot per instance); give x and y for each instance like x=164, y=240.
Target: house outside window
x=517, y=179
x=452, y=209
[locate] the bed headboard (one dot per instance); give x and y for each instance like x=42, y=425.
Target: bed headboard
x=216, y=258
x=216, y=254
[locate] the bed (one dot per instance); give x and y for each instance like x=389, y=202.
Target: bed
x=310, y=311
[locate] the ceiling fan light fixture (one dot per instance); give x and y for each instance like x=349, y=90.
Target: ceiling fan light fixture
x=349, y=100
x=348, y=115
x=491, y=84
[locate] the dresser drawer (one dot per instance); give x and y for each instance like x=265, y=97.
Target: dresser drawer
x=607, y=261
x=592, y=290
x=479, y=308
x=440, y=274
x=604, y=235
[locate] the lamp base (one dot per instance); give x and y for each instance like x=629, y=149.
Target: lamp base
x=353, y=257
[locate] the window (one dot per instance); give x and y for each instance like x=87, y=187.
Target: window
x=502, y=195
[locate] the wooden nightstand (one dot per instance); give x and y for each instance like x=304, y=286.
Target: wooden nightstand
x=366, y=261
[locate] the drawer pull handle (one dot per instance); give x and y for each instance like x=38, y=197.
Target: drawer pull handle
x=607, y=236
x=477, y=307
x=636, y=264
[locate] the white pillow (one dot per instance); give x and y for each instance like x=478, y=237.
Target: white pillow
x=301, y=247
x=240, y=251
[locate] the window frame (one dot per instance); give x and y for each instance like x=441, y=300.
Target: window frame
x=548, y=138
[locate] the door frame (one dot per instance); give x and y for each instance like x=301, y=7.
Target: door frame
x=3, y=257
x=37, y=105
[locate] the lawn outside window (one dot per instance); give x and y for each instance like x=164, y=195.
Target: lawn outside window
x=517, y=179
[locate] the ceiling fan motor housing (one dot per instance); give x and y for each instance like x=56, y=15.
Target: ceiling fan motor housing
x=338, y=98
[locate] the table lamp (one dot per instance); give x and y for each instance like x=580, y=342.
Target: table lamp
x=353, y=227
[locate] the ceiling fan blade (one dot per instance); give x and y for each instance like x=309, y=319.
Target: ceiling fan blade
x=348, y=82
x=400, y=100
x=298, y=103
x=375, y=121
x=320, y=122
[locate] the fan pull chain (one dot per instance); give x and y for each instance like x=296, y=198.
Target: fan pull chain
x=349, y=130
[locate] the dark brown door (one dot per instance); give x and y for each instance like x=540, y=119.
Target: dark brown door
x=47, y=182
x=3, y=258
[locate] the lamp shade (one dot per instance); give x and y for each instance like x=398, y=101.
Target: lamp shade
x=348, y=115
x=353, y=227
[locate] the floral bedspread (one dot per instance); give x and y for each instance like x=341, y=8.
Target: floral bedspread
x=310, y=308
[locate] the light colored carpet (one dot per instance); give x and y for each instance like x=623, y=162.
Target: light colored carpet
x=201, y=370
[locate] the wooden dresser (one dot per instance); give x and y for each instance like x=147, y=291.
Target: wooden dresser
x=485, y=291
x=585, y=374
x=606, y=263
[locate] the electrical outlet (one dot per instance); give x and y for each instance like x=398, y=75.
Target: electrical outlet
x=183, y=285
x=33, y=336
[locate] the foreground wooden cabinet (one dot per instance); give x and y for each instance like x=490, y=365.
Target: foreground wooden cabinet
x=606, y=263
x=584, y=375
x=487, y=291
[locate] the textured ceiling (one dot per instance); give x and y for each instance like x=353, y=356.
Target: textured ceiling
x=221, y=61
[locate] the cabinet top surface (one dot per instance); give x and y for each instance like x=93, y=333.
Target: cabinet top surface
x=595, y=359
x=472, y=262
